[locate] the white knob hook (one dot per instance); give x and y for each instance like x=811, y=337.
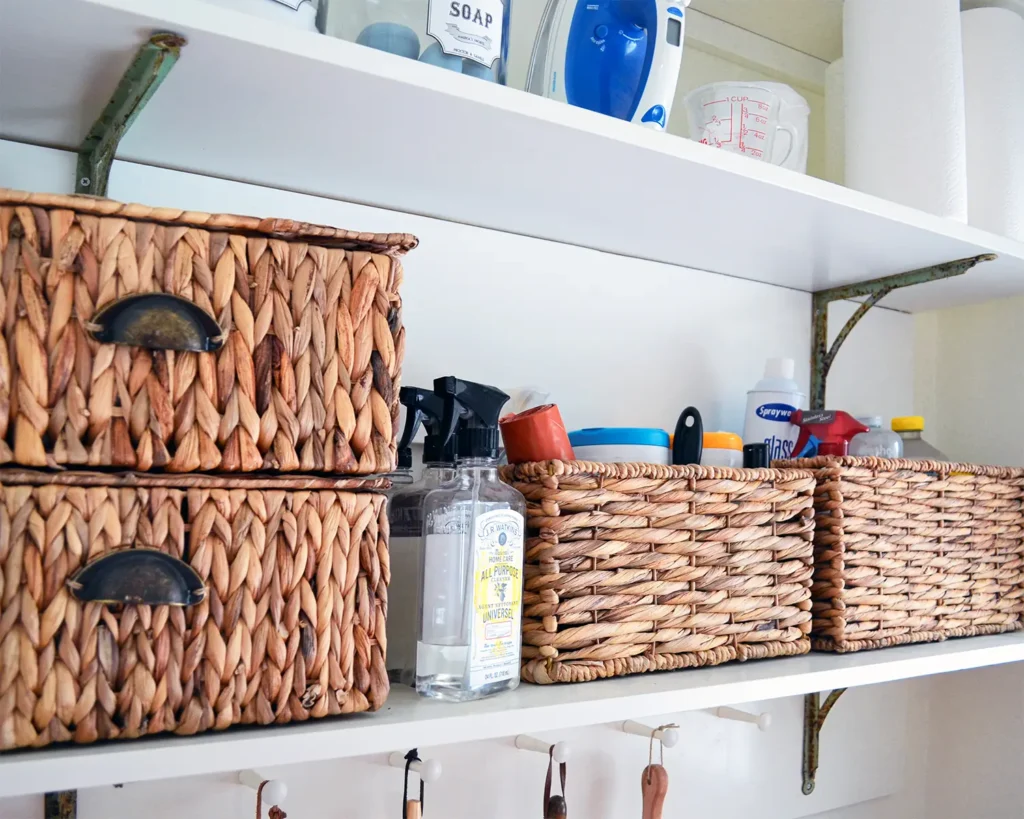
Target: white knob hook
x=429, y=770
x=560, y=751
x=274, y=792
x=763, y=721
x=667, y=735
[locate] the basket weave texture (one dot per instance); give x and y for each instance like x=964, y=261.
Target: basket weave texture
x=640, y=567
x=291, y=627
x=307, y=378
x=914, y=551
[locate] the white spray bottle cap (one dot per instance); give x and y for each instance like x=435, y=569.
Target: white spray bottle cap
x=780, y=368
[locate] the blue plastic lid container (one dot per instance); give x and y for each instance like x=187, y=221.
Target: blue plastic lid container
x=618, y=436
x=621, y=445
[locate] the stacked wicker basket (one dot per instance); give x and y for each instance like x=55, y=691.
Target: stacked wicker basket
x=171, y=344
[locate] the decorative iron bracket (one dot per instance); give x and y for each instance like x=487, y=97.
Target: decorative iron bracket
x=149, y=68
x=60, y=805
x=822, y=355
x=815, y=713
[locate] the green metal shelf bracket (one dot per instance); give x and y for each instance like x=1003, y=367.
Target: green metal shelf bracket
x=148, y=70
x=875, y=290
x=815, y=713
x=60, y=805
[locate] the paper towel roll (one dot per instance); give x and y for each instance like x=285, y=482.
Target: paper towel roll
x=905, y=103
x=994, y=96
x=835, y=100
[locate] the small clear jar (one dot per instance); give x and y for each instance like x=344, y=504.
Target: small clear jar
x=466, y=37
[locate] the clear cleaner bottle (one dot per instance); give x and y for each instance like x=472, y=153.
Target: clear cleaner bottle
x=405, y=514
x=472, y=592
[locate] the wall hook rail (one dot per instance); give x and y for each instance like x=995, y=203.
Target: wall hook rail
x=274, y=792
x=147, y=71
x=429, y=770
x=875, y=290
x=815, y=713
x=667, y=735
x=763, y=721
x=560, y=751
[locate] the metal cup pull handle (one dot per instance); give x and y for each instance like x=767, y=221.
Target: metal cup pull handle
x=138, y=577
x=157, y=321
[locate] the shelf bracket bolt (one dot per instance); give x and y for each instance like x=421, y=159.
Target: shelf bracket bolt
x=815, y=712
x=148, y=69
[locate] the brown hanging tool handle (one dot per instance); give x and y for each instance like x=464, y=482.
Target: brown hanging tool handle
x=654, y=786
x=413, y=809
x=554, y=806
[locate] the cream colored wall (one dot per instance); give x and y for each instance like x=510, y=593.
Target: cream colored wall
x=968, y=381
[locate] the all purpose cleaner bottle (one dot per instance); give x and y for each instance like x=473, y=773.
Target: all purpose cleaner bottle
x=472, y=592
x=769, y=407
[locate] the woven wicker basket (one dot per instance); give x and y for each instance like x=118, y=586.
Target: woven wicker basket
x=914, y=551
x=283, y=620
x=638, y=567
x=302, y=364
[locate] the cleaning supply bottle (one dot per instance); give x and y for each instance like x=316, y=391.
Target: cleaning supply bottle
x=915, y=448
x=471, y=605
x=824, y=432
x=876, y=442
x=405, y=514
x=769, y=407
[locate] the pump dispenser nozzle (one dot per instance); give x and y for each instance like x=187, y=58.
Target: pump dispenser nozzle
x=475, y=408
x=427, y=408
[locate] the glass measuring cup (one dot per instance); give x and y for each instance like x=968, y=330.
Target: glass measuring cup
x=739, y=117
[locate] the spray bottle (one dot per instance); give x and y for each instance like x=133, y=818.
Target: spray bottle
x=405, y=514
x=471, y=599
x=824, y=432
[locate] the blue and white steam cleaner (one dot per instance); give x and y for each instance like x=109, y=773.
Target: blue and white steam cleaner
x=616, y=57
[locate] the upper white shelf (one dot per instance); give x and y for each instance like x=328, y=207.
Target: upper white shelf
x=261, y=103
x=407, y=721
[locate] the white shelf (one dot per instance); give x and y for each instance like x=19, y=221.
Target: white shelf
x=408, y=721
x=261, y=103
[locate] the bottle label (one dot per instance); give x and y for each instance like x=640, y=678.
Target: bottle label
x=775, y=412
x=472, y=30
x=497, y=598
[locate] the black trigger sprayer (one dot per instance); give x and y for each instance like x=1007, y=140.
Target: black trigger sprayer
x=474, y=409
x=427, y=408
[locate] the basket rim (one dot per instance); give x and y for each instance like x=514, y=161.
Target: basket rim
x=188, y=480
x=899, y=464
x=638, y=469
x=395, y=244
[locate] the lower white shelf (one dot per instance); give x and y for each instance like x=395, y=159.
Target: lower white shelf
x=409, y=721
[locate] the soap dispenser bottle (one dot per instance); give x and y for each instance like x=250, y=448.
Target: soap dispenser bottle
x=405, y=514
x=472, y=591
